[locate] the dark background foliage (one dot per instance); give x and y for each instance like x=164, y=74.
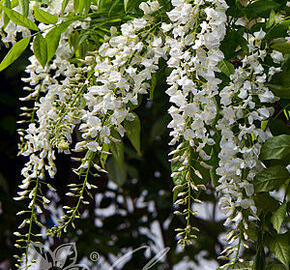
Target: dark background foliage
x=10, y=166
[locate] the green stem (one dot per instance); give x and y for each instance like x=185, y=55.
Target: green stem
x=239, y=247
x=78, y=203
x=30, y=224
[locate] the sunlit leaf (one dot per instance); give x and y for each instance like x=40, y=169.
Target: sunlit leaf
x=226, y=67
x=278, y=217
x=19, y=19
x=40, y=49
x=14, y=52
x=271, y=178
x=277, y=147
x=24, y=7
x=283, y=47
x=43, y=16
x=133, y=129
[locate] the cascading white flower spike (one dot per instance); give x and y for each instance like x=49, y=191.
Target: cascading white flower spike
x=241, y=140
x=193, y=39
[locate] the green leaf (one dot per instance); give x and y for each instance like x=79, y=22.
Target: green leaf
x=264, y=124
x=270, y=179
x=117, y=149
x=235, y=8
x=64, y=5
x=178, y=179
x=43, y=16
x=278, y=127
x=153, y=86
x=278, y=30
x=271, y=19
x=40, y=49
x=15, y=52
x=253, y=231
x=53, y=37
x=126, y=5
x=19, y=19
x=14, y=3
x=265, y=202
x=87, y=5
x=74, y=39
x=115, y=174
x=231, y=42
x=243, y=266
x=133, y=129
x=280, y=90
x=280, y=247
x=201, y=175
x=76, y=5
x=24, y=7
x=283, y=47
x=104, y=156
x=5, y=17
x=115, y=6
x=226, y=67
x=81, y=7
x=176, y=191
x=275, y=267
x=278, y=217
x=277, y=147
x=261, y=8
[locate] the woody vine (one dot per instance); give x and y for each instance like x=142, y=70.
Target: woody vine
x=88, y=73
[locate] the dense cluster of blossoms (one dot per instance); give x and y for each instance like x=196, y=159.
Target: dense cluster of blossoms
x=193, y=38
x=244, y=106
x=123, y=67
x=95, y=97
x=51, y=122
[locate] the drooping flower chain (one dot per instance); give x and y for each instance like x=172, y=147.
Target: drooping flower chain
x=122, y=68
x=196, y=32
x=106, y=84
x=244, y=105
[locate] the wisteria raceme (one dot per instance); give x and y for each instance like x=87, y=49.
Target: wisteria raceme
x=112, y=82
x=121, y=70
x=196, y=33
x=244, y=103
x=49, y=129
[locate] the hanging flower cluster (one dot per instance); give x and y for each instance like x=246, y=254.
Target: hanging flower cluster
x=217, y=126
x=244, y=106
x=193, y=38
